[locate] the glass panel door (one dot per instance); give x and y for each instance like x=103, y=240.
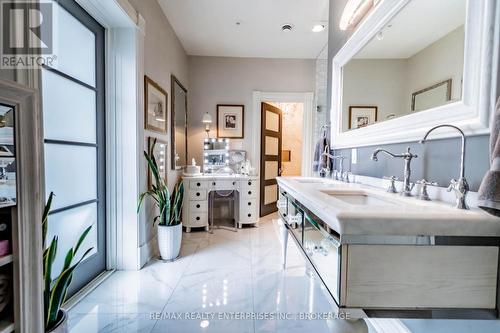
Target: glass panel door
x=73, y=107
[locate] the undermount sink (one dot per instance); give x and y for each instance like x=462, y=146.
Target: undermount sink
x=359, y=198
x=310, y=181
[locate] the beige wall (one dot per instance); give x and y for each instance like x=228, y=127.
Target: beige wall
x=219, y=80
x=163, y=55
x=390, y=83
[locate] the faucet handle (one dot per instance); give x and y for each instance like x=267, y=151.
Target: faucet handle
x=424, y=195
x=346, y=175
x=392, y=186
x=453, y=185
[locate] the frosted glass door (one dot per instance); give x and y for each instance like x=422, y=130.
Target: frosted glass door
x=73, y=117
x=271, y=137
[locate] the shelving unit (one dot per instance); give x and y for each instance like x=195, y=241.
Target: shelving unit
x=7, y=259
x=6, y=326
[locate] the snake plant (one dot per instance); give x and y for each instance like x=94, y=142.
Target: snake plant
x=55, y=289
x=169, y=206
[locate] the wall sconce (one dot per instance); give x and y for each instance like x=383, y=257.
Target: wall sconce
x=207, y=120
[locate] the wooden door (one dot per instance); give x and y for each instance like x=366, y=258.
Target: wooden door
x=270, y=157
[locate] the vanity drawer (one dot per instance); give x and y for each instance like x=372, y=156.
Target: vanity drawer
x=198, y=219
x=223, y=184
x=250, y=183
x=198, y=184
x=249, y=191
x=198, y=207
x=198, y=195
x=249, y=213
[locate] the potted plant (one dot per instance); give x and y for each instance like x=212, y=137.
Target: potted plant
x=169, y=210
x=56, y=288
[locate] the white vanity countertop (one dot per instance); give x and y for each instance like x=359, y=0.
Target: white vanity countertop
x=396, y=215
x=211, y=176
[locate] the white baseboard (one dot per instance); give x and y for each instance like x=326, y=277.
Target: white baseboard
x=147, y=252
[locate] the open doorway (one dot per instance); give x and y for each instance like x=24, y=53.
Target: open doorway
x=281, y=148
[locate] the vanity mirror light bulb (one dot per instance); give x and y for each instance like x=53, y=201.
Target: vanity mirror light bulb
x=227, y=161
x=206, y=161
x=162, y=152
x=220, y=140
x=213, y=140
x=227, y=154
x=206, y=154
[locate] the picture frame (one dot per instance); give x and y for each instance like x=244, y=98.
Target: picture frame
x=160, y=154
x=155, y=106
x=362, y=116
x=230, y=121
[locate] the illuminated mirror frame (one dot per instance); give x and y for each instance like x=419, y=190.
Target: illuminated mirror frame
x=472, y=113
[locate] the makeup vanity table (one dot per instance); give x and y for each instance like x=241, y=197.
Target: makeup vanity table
x=197, y=193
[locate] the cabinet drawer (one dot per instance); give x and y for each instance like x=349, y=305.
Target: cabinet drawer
x=249, y=214
x=248, y=184
x=249, y=191
x=198, y=207
x=223, y=184
x=199, y=219
x=198, y=184
x=198, y=195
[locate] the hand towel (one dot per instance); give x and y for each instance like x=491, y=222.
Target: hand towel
x=320, y=161
x=489, y=191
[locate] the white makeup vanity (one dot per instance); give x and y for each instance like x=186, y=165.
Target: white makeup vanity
x=197, y=198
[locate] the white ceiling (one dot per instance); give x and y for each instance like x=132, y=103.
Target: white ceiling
x=208, y=27
x=419, y=24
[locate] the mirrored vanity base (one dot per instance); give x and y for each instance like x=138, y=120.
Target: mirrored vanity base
x=396, y=276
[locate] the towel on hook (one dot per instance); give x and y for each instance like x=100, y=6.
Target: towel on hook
x=320, y=162
x=489, y=191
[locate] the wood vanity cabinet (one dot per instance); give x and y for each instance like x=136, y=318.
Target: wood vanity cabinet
x=197, y=193
x=381, y=276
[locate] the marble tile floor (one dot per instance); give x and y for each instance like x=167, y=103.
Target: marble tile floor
x=224, y=273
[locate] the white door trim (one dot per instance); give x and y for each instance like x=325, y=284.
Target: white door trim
x=307, y=98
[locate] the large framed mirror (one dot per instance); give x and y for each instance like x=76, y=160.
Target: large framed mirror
x=178, y=124
x=414, y=64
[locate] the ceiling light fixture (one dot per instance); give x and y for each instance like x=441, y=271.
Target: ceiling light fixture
x=286, y=27
x=318, y=28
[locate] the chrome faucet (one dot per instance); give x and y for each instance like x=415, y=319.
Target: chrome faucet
x=407, y=157
x=460, y=186
x=343, y=176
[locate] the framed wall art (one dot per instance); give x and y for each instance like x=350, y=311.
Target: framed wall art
x=155, y=106
x=230, y=121
x=362, y=116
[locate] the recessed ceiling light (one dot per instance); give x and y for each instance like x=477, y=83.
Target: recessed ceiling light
x=286, y=27
x=318, y=28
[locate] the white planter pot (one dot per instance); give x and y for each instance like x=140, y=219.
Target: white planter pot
x=169, y=241
x=62, y=325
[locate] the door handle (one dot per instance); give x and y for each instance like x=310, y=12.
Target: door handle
x=280, y=171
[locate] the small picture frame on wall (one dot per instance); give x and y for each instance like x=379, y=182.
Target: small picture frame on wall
x=159, y=149
x=362, y=116
x=155, y=106
x=230, y=121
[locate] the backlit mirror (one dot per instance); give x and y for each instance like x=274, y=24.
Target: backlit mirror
x=414, y=63
x=179, y=124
